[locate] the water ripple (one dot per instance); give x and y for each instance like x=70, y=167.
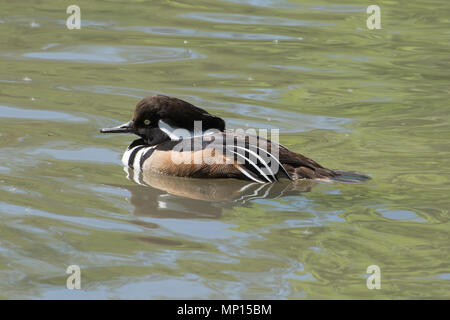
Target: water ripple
x=8, y=112
x=252, y=20
x=113, y=54
x=173, y=31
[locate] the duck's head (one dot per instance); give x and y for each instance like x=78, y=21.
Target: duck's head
x=157, y=117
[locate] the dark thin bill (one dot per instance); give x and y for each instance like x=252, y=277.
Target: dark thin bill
x=123, y=128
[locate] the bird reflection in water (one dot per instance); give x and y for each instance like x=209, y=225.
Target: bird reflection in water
x=188, y=198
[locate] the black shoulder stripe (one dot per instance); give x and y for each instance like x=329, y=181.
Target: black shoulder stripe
x=135, y=143
x=145, y=156
x=133, y=155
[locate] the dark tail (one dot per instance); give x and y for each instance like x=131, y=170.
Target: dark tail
x=349, y=176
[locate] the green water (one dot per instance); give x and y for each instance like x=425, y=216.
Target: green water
x=373, y=101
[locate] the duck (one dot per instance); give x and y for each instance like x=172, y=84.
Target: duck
x=177, y=138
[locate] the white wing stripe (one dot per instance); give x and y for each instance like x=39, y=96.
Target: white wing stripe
x=260, y=159
x=279, y=163
x=252, y=163
x=249, y=176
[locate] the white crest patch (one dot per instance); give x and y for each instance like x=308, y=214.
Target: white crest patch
x=170, y=131
x=177, y=134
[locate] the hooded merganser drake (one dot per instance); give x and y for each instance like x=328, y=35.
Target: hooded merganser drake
x=170, y=144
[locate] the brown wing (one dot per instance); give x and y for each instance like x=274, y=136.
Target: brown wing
x=301, y=167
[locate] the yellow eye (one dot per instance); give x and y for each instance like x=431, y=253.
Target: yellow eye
x=146, y=122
